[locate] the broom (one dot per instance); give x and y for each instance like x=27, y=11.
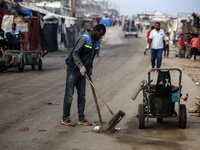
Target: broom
x=115, y=119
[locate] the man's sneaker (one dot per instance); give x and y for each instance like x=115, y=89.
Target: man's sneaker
x=84, y=122
x=68, y=122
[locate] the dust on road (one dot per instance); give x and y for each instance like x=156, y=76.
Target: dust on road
x=33, y=100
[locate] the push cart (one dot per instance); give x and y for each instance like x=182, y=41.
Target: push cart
x=2, y=60
x=33, y=58
x=159, y=99
x=14, y=58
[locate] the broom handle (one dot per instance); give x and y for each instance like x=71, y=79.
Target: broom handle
x=100, y=95
x=97, y=92
x=96, y=102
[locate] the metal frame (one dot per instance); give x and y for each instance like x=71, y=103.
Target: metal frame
x=175, y=96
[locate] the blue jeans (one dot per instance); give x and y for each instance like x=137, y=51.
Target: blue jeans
x=74, y=79
x=156, y=54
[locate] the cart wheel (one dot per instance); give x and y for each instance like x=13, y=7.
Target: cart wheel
x=159, y=120
x=2, y=66
x=40, y=65
x=21, y=65
x=33, y=67
x=141, y=116
x=182, y=117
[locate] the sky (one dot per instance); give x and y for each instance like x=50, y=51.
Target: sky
x=171, y=7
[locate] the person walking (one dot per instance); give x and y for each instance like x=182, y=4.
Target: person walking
x=157, y=45
x=167, y=39
x=194, y=45
x=82, y=55
x=141, y=27
x=152, y=28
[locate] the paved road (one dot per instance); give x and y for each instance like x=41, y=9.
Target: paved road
x=31, y=104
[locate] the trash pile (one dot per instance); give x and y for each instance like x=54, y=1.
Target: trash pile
x=197, y=109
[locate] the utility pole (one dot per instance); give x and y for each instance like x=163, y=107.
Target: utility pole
x=74, y=8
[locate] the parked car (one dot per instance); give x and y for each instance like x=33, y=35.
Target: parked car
x=131, y=31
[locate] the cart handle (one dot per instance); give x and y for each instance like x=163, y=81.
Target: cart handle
x=166, y=69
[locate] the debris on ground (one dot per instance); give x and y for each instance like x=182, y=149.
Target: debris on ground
x=97, y=129
x=195, y=110
x=24, y=129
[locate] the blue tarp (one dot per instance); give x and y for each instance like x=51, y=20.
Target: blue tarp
x=106, y=22
x=25, y=12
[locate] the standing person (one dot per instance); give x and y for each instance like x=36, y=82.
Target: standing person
x=82, y=54
x=156, y=44
x=16, y=32
x=98, y=51
x=152, y=28
x=167, y=39
x=174, y=36
x=141, y=28
x=132, y=23
x=63, y=33
x=128, y=23
x=138, y=25
x=181, y=45
x=188, y=50
x=96, y=22
x=194, y=45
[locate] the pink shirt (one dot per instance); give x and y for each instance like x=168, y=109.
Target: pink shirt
x=194, y=43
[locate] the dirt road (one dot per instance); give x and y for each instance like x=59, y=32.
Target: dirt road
x=31, y=103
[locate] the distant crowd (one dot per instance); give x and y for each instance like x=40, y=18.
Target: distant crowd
x=189, y=47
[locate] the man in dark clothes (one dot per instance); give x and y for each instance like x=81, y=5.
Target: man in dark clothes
x=82, y=55
x=8, y=40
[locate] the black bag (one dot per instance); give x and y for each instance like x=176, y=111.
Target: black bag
x=163, y=86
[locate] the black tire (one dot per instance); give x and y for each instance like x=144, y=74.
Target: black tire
x=141, y=116
x=136, y=36
x=2, y=66
x=182, y=116
x=159, y=120
x=125, y=36
x=33, y=67
x=40, y=65
x=21, y=65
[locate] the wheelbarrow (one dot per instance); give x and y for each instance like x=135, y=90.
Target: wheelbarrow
x=159, y=99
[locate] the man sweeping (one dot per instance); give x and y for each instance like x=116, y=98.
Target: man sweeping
x=82, y=55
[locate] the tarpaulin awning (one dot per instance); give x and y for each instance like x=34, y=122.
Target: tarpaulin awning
x=196, y=15
x=25, y=11
x=48, y=15
x=9, y=6
x=7, y=22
